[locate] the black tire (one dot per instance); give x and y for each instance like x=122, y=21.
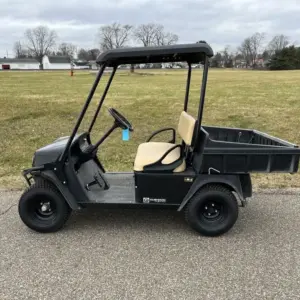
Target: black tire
x=212, y=211
x=33, y=202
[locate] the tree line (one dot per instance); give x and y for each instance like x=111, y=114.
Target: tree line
x=253, y=52
x=40, y=41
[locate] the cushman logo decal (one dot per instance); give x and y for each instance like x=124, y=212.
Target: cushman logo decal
x=156, y=200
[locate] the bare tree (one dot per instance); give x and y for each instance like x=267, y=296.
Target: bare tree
x=216, y=60
x=67, y=49
x=83, y=54
x=114, y=36
x=277, y=43
x=256, y=41
x=146, y=34
x=153, y=34
x=88, y=54
x=40, y=41
x=245, y=50
x=93, y=53
x=235, y=56
x=19, y=50
x=226, y=55
x=163, y=38
x=251, y=47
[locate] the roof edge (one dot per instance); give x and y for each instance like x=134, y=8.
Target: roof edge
x=169, y=53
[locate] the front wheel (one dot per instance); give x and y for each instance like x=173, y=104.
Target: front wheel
x=212, y=211
x=42, y=208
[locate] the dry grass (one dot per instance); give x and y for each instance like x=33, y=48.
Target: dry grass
x=36, y=108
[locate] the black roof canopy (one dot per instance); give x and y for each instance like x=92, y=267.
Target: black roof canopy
x=192, y=53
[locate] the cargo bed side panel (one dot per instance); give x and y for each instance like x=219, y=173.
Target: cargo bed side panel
x=240, y=151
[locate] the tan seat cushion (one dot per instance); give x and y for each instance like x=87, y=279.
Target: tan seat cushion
x=186, y=126
x=151, y=152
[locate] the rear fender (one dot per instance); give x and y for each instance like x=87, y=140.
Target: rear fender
x=240, y=184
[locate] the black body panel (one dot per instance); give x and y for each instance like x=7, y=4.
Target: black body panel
x=163, y=188
x=240, y=184
x=192, y=53
x=242, y=151
x=52, y=174
x=69, y=197
x=52, y=152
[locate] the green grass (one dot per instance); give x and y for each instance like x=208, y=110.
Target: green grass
x=37, y=107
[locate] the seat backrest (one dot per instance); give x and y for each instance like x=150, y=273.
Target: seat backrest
x=186, y=127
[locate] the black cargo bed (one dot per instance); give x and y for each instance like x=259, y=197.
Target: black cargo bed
x=236, y=150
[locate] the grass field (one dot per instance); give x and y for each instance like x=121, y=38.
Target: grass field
x=36, y=108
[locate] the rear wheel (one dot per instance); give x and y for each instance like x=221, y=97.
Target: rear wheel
x=42, y=208
x=212, y=211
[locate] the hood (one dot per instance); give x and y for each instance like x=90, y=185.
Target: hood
x=51, y=152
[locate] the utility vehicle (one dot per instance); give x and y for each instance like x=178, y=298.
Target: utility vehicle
x=206, y=174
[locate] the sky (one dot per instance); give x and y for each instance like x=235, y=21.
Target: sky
x=219, y=22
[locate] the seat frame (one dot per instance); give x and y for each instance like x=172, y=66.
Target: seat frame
x=163, y=130
x=158, y=166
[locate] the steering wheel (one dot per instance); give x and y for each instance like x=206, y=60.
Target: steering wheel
x=120, y=119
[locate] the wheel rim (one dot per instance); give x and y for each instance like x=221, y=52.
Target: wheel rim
x=42, y=208
x=45, y=209
x=212, y=210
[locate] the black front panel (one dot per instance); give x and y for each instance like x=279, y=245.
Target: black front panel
x=162, y=188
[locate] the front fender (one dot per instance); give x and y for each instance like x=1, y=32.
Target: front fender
x=51, y=176
x=242, y=186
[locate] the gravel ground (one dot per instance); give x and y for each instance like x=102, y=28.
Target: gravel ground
x=141, y=254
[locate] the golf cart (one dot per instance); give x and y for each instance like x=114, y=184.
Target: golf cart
x=206, y=174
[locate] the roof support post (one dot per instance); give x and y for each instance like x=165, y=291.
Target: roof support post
x=82, y=113
x=202, y=97
x=102, y=98
x=188, y=83
x=203, y=91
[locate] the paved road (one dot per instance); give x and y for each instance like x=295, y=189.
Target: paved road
x=134, y=254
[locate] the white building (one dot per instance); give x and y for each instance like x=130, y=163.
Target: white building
x=93, y=65
x=19, y=64
x=56, y=62
x=80, y=65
